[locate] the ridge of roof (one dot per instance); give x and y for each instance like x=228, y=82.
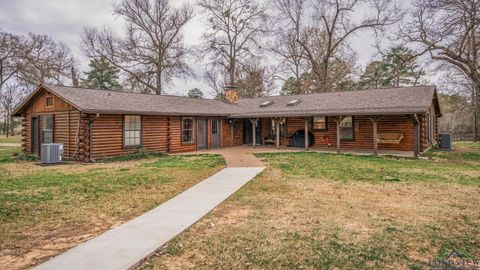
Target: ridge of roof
x=125, y=91
x=346, y=91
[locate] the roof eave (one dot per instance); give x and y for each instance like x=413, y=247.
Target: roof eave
x=309, y=114
x=93, y=111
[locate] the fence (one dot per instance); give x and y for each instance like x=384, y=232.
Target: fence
x=462, y=137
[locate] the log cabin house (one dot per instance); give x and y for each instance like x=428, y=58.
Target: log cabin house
x=92, y=124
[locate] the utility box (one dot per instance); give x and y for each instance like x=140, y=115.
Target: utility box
x=445, y=142
x=51, y=153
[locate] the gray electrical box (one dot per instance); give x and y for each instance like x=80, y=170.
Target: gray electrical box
x=445, y=142
x=51, y=153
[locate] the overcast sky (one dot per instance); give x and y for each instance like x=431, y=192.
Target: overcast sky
x=64, y=20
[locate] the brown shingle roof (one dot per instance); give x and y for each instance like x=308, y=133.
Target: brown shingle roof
x=376, y=101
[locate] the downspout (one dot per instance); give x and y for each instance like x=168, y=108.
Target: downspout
x=416, y=135
x=68, y=132
x=77, y=136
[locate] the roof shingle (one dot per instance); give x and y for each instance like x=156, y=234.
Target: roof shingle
x=375, y=101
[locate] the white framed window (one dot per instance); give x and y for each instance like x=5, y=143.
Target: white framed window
x=132, y=130
x=346, y=129
x=187, y=130
x=47, y=128
x=320, y=123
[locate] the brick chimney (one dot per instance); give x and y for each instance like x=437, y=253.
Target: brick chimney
x=231, y=94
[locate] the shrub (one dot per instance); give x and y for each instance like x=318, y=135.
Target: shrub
x=136, y=155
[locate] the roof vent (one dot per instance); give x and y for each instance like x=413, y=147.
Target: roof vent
x=293, y=102
x=266, y=103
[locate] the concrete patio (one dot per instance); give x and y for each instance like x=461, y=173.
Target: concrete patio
x=243, y=156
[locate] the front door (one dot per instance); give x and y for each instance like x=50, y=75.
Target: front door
x=35, y=136
x=248, y=130
x=202, y=137
x=215, y=133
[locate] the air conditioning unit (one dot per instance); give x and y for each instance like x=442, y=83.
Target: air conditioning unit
x=51, y=153
x=445, y=141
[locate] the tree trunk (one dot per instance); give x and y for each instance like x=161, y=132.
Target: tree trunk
x=232, y=72
x=475, y=126
x=7, y=125
x=158, y=91
x=324, y=78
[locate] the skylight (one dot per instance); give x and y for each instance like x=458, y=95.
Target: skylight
x=266, y=103
x=293, y=102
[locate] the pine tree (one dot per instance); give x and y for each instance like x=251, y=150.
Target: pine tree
x=398, y=67
x=375, y=75
x=195, y=93
x=102, y=75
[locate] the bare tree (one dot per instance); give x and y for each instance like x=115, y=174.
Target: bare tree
x=44, y=61
x=10, y=51
x=152, y=52
x=286, y=46
x=234, y=34
x=254, y=80
x=333, y=24
x=10, y=96
x=449, y=30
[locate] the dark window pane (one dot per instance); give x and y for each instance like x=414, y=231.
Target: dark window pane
x=49, y=101
x=346, y=128
x=187, y=130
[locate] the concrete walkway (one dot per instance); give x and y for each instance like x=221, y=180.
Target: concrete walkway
x=126, y=245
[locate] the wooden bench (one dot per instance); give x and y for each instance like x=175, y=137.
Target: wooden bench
x=269, y=140
x=390, y=138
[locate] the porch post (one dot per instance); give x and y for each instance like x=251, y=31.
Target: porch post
x=307, y=139
x=338, y=120
x=254, y=133
x=232, y=121
x=416, y=133
x=375, y=120
x=277, y=132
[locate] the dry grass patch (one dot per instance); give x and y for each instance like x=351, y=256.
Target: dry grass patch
x=47, y=210
x=321, y=211
x=10, y=139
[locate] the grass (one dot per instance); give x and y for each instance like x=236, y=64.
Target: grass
x=323, y=211
x=465, y=151
x=8, y=154
x=10, y=139
x=46, y=210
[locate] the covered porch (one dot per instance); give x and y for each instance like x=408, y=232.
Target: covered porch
x=397, y=135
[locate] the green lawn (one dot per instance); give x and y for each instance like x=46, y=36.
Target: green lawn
x=326, y=211
x=7, y=154
x=10, y=139
x=46, y=210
